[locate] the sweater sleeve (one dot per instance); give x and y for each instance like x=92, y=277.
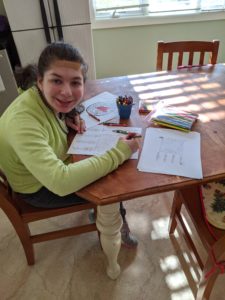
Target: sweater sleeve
x=39, y=158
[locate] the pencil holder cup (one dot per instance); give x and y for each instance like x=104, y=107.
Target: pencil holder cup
x=124, y=104
x=124, y=110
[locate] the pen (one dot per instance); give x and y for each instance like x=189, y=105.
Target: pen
x=121, y=131
x=114, y=124
x=134, y=137
x=94, y=117
x=131, y=135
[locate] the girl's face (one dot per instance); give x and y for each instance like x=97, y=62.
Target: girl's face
x=62, y=85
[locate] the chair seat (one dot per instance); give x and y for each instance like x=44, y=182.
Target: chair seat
x=21, y=214
x=214, y=201
x=30, y=213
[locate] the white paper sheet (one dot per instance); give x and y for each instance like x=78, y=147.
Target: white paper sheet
x=103, y=97
x=97, y=140
x=172, y=152
x=2, y=87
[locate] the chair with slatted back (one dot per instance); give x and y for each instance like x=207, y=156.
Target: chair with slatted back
x=212, y=238
x=21, y=214
x=187, y=49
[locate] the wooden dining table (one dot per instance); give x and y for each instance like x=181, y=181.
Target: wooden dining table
x=198, y=89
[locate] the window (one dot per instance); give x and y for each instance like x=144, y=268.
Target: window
x=105, y=9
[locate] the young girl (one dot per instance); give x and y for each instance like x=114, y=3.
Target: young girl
x=33, y=130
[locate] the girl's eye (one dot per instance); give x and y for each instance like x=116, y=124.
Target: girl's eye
x=76, y=83
x=56, y=81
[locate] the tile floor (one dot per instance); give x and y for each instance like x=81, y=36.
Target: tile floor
x=74, y=268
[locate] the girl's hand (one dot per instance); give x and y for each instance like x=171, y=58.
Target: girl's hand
x=76, y=123
x=132, y=142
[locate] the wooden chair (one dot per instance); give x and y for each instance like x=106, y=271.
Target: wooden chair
x=21, y=214
x=214, y=244
x=189, y=47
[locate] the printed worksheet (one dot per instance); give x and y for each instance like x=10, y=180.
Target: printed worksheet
x=168, y=151
x=97, y=140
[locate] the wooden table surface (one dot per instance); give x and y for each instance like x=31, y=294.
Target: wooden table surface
x=201, y=90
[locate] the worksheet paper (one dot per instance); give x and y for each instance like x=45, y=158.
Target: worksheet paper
x=168, y=151
x=97, y=140
x=104, y=97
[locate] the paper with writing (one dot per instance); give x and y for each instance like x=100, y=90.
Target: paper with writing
x=97, y=140
x=105, y=97
x=168, y=151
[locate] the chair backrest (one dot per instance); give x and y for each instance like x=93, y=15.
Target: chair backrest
x=5, y=191
x=187, y=49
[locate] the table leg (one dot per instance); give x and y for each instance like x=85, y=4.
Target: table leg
x=109, y=222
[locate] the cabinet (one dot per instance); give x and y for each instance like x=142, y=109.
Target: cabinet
x=38, y=22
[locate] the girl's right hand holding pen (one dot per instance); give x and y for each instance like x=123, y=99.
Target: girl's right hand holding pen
x=132, y=135
x=131, y=141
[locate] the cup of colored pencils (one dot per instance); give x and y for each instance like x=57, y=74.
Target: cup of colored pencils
x=124, y=104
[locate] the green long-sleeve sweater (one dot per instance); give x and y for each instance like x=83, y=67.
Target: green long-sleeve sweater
x=33, y=149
